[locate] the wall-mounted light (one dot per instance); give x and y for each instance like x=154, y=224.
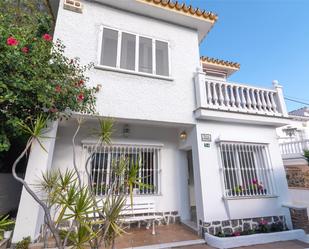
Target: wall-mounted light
x=126, y=130
x=183, y=135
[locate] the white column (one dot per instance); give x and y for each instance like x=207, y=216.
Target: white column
x=281, y=101
x=200, y=88
x=30, y=215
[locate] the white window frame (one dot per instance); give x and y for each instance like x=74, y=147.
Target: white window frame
x=92, y=148
x=136, y=71
x=264, y=171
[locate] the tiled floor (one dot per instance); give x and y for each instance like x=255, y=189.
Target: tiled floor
x=176, y=232
x=294, y=244
x=164, y=234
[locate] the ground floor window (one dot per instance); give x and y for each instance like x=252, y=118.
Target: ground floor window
x=246, y=169
x=103, y=159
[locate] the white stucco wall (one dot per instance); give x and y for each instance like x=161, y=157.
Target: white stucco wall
x=173, y=177
x=299, y=197
x=302, y=133
x=214, y=206
x=133, y=96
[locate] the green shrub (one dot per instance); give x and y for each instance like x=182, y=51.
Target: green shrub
x=24, y=243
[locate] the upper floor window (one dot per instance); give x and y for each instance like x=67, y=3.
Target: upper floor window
x=127, y=51
x=246, y=169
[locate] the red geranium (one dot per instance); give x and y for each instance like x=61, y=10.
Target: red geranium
x=11, y=41
x=58, y=89
x=25, y=50
x=53, y=109
x=80, y=97
x=81, y=82
x=47, y=37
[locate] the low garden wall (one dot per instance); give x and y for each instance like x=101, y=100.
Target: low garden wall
x=229, y=227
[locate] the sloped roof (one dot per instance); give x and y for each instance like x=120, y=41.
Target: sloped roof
x=303, y=112
x=185, y=9
x=220, y=62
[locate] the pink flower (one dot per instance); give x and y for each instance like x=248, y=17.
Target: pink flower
x=47, y=37
x=25, y=50
x=11, y=41
x=263, y=222
x=254, y=181
x=236, y=233
x=58, y=89
x=80, y=97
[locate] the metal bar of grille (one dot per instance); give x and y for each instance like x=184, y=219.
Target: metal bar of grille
x=246, y=169
x=103, y=159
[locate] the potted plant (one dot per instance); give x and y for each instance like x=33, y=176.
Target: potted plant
x=5, y=224
x=256, y=187
x=237, y=190
x=9, y=230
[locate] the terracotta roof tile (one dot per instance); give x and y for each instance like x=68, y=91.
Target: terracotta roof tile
x=189, y=10
x=220, y=62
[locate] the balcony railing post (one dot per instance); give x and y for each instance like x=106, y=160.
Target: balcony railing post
x=200, y=88
x=281, y=102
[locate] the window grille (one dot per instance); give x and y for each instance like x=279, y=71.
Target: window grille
x=102, y=159
x=246, y=169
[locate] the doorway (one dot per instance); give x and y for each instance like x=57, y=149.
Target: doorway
x=191, y=190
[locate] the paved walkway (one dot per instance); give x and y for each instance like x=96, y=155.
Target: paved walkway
x=293, y=244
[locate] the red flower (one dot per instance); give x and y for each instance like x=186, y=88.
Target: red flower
x=11, y=41
x=236, y=233
x=25, y=50
x=47, y=37
x=58, y=89
x=53, y=109
x=80, y=97
x=81, y=82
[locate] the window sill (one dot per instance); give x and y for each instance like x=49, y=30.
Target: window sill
x=119, y=70
x=249, y=197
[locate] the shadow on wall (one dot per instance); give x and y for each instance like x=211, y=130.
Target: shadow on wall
x=10, y=191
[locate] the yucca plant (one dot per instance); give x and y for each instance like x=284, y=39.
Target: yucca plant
x=35, y=129
x=133, y=180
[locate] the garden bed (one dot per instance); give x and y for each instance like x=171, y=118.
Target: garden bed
x=253, y=239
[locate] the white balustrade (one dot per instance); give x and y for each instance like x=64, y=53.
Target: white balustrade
x=294, y=147
x=228, y=96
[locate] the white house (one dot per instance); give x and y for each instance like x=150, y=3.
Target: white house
x=293, y=140
x=210, y=145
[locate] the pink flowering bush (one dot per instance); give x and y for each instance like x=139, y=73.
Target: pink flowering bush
x=36, y=78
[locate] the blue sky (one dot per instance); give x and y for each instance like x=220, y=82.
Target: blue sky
x=269, y=38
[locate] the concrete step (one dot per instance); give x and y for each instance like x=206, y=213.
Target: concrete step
x=171, y=244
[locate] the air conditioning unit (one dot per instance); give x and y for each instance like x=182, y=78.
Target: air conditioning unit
x=73, y=5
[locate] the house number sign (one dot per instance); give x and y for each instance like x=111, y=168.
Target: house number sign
x=206, y=137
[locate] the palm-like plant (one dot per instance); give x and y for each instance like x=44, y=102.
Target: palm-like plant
x=134, y=180
x=36, y=131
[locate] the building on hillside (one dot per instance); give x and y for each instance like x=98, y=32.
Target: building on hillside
x=208, y=144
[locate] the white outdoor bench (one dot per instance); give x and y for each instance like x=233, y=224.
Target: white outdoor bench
x=141, y=211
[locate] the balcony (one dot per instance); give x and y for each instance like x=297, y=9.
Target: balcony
x=292, y=152
x=220, y=99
